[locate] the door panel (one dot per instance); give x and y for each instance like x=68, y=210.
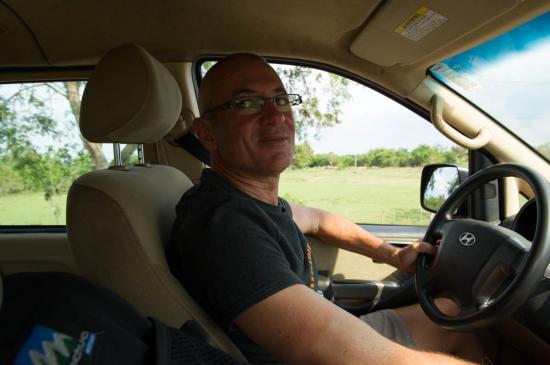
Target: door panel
x=342, y=264
x=21, y=252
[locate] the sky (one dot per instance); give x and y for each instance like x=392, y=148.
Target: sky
x=511, y=78
x=516, y=90
x=371, y=120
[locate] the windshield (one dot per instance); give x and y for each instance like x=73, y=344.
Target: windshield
x=509, y=78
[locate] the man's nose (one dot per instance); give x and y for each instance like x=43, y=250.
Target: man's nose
x=271, y=112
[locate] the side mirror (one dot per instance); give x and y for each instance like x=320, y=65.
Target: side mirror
x=437, y=184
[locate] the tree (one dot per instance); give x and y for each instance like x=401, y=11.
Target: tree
x=303, y=156
x=544, y=149
x=73, y=94
x=52, y=172
x=12, y=182
x=423, y=155
x=323, y=95
x=23, y=166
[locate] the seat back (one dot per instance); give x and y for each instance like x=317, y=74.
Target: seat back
x=119, y=219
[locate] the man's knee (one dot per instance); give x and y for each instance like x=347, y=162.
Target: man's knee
x=390, y=325
x=447, y=307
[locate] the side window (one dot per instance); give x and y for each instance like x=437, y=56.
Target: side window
x=42, y=151
x=358, y=153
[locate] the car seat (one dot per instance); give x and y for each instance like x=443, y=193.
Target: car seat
x=119, y=219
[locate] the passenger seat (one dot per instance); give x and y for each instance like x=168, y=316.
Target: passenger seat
x=119, y=219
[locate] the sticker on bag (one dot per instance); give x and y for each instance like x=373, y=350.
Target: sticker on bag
x=45, y=346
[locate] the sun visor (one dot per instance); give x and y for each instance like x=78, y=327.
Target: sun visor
x=405, y=31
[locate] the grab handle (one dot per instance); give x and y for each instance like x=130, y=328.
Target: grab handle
x=481, y=139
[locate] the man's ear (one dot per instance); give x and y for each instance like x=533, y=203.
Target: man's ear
x=202, y=129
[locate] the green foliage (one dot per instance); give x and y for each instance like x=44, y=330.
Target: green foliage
x=26, y=116
x=381, y=157
x=544, y=149
x=12, y=182
x=303, y=156
x=9, y=133
x=205, y=66
x=434, y=202
x=292, y=199
x=323, y=95
x=32, y=118
x=51, y=172
x=344, y=161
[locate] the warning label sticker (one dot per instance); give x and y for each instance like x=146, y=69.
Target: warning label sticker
x=420, y=24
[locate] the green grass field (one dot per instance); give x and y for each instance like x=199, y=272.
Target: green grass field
x=31, y=208
x=364, y=195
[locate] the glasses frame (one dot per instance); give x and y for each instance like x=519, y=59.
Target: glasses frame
x=228, y=105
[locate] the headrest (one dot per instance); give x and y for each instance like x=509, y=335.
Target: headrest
x=130, y=98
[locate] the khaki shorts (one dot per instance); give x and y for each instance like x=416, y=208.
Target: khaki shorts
x=388, y=323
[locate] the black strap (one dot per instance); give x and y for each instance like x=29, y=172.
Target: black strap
x=179, y=347
x=1, y=288
x=192, y=145
x=195, y=329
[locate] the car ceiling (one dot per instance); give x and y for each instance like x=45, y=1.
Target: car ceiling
x=356, y=35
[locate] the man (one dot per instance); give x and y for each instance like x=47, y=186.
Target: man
x=240, y=250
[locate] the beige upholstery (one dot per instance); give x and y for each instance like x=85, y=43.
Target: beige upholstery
x=119, y=220
x=128, y=91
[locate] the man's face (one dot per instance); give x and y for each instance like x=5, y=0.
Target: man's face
x=260, y=143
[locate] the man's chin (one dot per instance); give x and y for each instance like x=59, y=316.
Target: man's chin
x=277, y=165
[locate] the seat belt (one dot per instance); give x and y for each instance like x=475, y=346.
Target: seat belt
x=191, y=144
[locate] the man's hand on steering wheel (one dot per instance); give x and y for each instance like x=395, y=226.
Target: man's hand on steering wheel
x=404, y=259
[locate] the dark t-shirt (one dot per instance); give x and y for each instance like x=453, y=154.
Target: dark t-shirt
x=231, y=251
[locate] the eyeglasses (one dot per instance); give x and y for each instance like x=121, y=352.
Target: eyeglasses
x=253, y=104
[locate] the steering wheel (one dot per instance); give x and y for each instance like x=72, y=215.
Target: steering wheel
x=488, y=269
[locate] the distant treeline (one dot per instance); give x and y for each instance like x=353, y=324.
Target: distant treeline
x=381, y=157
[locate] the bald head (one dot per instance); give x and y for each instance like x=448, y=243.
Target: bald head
x=248, y=144
x=216, y=79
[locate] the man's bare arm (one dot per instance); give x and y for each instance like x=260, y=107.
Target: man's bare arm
x=301, y=327
x=341, y=232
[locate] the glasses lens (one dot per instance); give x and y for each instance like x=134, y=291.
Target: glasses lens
x=282, y=100
x=247, y=103
x=253, y=104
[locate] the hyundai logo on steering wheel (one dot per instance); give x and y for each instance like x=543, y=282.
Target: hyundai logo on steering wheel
x=467, y=239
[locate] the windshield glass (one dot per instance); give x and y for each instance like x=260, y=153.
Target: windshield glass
x=509, y=78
